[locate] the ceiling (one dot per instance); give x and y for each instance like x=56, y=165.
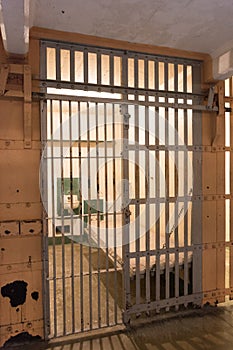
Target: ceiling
x=197, y=25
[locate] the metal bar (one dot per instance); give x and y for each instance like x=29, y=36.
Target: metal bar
x=81, y=228
x=194, y=149
x=125, y=101
x=176, y=181
x=165, y=303
x=147, y=190
x=44, y=187
x=167, y=211
x=58, y=63
x=157, y=189
x=72, y=219
x=98, y=211
x=111, y=70
x=98, y=271
x=147, y=187
x=72, y=66
x=99, y=66
x=53, y=224
x=86, y=215
x=231, y=190
x=106, y=217
x=118, y=89
x=154, y=201
x=62, y=218
x=136, y=75
x=115, y=216
x=146, y=70
x=89, y=217
x=186, y=174
x=27, y=77
x=163, y=251
x=125, y=206
x=141, y=147
x=137, y=206
x=125, y=175
x=137, y=184
x=85, y=59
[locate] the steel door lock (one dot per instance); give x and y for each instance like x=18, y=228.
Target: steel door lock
x=127, y=213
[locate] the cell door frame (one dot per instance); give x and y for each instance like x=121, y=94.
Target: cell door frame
x=126, y=90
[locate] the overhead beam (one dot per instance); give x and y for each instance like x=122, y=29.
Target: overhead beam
x=14, y=23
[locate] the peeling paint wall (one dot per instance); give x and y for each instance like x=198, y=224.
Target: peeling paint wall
x=21, y=310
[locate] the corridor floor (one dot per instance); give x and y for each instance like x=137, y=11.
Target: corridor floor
x=207, y=328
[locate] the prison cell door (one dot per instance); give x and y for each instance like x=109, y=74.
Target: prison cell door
x=161, y=254
x=81, y=171
x=121, y=168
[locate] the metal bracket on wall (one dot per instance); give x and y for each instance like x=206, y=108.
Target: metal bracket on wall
x=4, y=71
x=27, y=87
x=25, y=92
x=218, y=99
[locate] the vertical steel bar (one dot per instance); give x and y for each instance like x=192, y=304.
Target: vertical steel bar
x=167, y=211
x=137, y=206
x=125, y=220
x=231, y=191
x=81, y=218
x=147, y=185
x=53, y=223
x=176, y=180
x=89, y=217
x=72, y=66
x=85, y=59
x=136, y=75
x=114, y=216
x=137, y=184
x=106, y=211
x=111, y=69
x=62, y=217
x=157, y=188
x=44, y=186
x=186, y=175
x=126, y=214
x=98, y=212
x=71, y=217
x=99, y=69
x=58, y=63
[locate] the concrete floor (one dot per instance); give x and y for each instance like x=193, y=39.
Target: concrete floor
x=209, y=328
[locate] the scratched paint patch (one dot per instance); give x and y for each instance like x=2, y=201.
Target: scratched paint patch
x=16, y=292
